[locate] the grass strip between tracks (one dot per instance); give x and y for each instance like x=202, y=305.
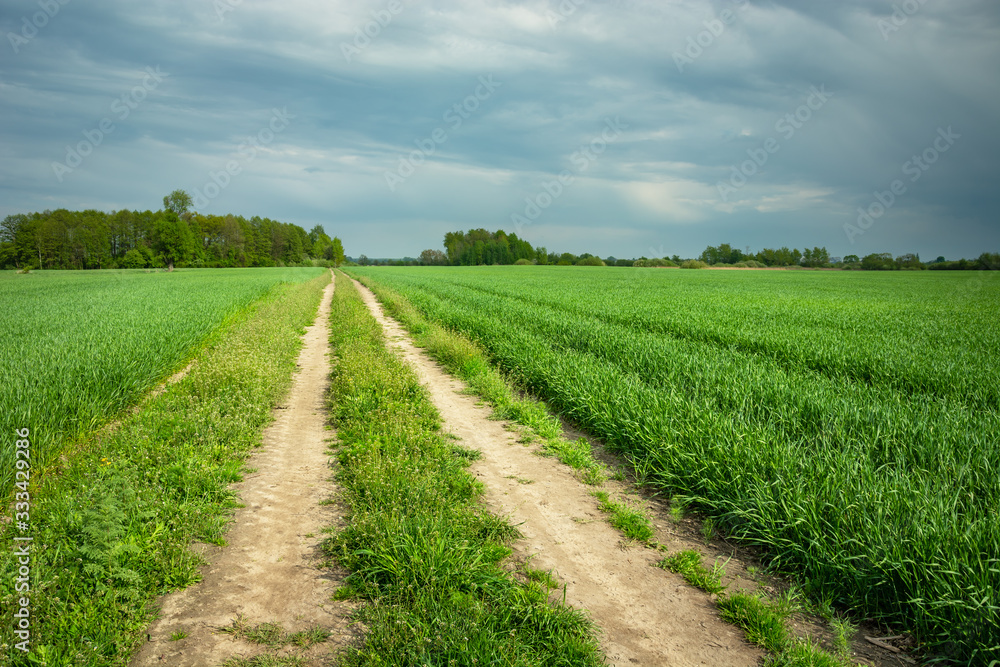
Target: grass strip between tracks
x=424, y=554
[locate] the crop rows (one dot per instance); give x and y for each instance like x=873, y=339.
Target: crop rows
x=79, y=347
x=847, y=423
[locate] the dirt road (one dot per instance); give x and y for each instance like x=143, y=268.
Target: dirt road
x=268, y=571
x=648, y=616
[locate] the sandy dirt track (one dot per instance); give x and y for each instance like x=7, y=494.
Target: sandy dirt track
x=268, y=571
x=648, y=616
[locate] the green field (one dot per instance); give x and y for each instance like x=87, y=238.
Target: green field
x=846, y=422
x=78, y=347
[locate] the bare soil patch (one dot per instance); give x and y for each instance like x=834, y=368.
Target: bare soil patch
x=269, y=572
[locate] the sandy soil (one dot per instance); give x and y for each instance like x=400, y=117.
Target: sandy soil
x=648, y=616
x=269, y=570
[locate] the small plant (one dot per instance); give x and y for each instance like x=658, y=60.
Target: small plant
x=520, y=480
x=633, y=522
x=843, y=632
x=708, y=529
x=543, y=577
x=688, y=565
x=760, y=621
x=179, y=635
x=677, y=507
x=307, y=638
x=267, y=660
x=789, y=602
x=577, y=454
x=267, y=634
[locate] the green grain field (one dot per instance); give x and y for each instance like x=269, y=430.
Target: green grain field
x=77, y=347
x=846, y=422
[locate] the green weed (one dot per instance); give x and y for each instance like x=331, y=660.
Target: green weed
x=688, y=565
x=632, y=521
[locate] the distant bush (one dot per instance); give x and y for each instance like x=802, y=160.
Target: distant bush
x=523, y=262
x=750, y=264
x=694, y=264
x=133, y=260
x=656, y=261
x=591, y=261
x=721, y=265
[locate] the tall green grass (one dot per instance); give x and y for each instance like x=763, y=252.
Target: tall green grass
x=841, y=421
x=111, y=530
x=424, y=554
x=77, y=347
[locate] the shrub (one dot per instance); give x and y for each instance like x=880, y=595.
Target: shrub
x=591, y=261
x=523, y=262
x=694, y=264
x=133, y=259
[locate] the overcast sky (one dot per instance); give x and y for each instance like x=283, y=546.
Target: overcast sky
x=619, y=127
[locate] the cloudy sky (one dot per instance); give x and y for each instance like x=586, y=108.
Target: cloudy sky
x=617, y=127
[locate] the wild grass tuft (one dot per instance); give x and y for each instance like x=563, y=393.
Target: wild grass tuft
x=626, y=517
x=688, y=565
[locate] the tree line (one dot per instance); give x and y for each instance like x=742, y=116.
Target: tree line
x=170, y=237
x=726, y=255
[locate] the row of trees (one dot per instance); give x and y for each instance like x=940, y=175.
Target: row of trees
x=170, y=237
x=478, y=246
x=726, y=254
x=884, y=261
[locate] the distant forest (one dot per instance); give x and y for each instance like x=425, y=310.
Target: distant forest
x=481, y=247
x=169, y=237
